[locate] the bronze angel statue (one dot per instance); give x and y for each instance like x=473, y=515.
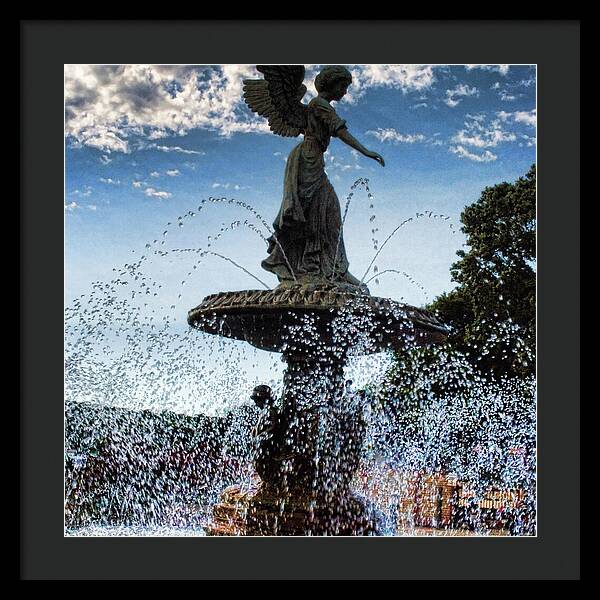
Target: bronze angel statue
x=307, y=245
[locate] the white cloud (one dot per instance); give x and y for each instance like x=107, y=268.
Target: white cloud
x=173, y=172
x=100, y=137
x=502, y=69
x=481, y=135
x=155, y=174
x=526, y=82
x=530, y=141
x=106, y=105
x=477, y=118
x=462, y=152
x=110, y=181
x=506, y=97
x=71, y=206
x=486, y=139
x=462, y=90
x=177, y=149
x=105, y=160
x=138, y=184
x=85, y=192
x=226, y=186
x=110, y=107
x=404, y=77
x=152, y=193
x=407, y=78
x=528, y=117
x=391, y=135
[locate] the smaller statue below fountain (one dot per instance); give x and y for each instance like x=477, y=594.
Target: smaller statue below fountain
x=271, y=449
x=306, y=460
x=307, y=245
x=283, y=456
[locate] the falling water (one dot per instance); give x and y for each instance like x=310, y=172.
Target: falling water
x=419, y=215
x=404, y=274
x=364, y=182
x=158, y=419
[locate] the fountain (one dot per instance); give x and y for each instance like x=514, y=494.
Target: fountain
x=160, y=439
x=309, y=440
x=313, y=447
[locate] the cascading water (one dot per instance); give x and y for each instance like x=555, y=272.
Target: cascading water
x=159, y=421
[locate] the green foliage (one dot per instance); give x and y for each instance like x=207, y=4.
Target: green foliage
x=492, y=310
x=485, y=371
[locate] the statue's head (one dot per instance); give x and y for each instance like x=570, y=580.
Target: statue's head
x=262, y=395
x=334, y=80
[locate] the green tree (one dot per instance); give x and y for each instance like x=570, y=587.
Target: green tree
x=492, y=310
x=463, y=406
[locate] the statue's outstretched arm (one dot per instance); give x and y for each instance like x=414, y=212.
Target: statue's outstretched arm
x=346, y=137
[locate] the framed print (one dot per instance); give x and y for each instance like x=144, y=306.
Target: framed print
x=302, y=304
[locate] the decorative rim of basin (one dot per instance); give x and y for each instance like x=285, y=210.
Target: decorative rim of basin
x=306, y=298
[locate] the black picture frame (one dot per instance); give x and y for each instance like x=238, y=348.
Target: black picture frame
x=45, y=554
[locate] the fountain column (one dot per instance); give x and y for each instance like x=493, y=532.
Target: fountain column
x=306, y=474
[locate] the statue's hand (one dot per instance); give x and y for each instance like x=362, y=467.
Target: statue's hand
x=376, y=157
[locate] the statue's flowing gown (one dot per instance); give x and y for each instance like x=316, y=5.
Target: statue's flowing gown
x=308, y=225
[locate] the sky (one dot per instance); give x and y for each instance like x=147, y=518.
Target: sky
x=146, y=144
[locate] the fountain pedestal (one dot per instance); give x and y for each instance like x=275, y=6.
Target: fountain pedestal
x=309, y=446
x=308, y=451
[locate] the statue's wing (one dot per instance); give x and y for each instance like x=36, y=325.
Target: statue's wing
x=278, y=98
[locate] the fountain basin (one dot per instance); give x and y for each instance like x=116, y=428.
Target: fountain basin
x=306, y=316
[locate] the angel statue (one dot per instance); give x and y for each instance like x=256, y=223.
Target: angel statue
x=307, y=245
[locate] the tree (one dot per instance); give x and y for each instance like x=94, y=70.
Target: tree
x=445, y=405
x=492, y=310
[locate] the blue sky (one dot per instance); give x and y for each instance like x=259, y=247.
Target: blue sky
x=145, y=144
